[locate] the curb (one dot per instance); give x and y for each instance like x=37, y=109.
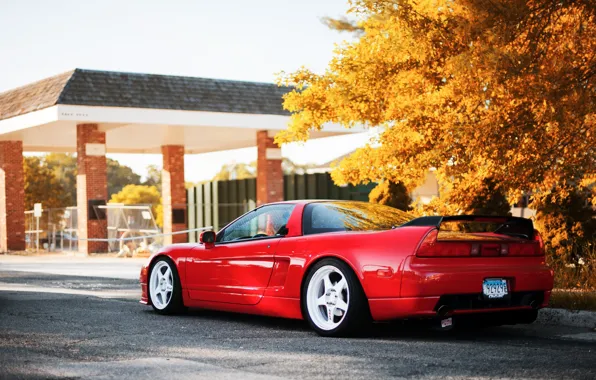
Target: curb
x=564, y=317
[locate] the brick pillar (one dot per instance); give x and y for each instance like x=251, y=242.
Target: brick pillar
x=92, y=187
x=12, y=197
x=173, y=193
x=270, y=178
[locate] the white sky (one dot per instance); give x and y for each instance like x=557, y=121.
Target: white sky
x=228, y=39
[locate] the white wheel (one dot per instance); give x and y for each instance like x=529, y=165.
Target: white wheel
x=161, y=285
x=328, y=297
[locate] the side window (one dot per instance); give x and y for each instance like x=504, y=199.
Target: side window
x=320, y=218
x=262, y=222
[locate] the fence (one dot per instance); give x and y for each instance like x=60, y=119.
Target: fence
x=218, y=203
x=210, y=204
x=55, y=230
x=131, y=228
x=321, y=186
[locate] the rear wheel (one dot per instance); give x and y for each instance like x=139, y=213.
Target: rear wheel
x=332, y=299
x=164, y=287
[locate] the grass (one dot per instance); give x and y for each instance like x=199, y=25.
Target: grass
x=573, y=299
x=575, y=269
x=575, y=279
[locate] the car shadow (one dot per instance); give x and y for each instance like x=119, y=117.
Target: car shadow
x=419, y=330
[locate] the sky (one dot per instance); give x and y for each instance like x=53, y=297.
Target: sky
x=227, y=39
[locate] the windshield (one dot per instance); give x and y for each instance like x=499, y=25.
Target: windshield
x=334, y=216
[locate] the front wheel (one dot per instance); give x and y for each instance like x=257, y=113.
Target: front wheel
x=332, y=299
x=164, y=287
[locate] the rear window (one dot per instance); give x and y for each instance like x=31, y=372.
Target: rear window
x=477, y=227
x=324, y=217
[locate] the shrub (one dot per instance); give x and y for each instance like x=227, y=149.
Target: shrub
x=567, y=221
x=141, y=194
x=391, y=194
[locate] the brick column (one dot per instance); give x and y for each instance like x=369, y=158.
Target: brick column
x=92, y=187
x=270, y=178
x=12, y=197
x=173, y=193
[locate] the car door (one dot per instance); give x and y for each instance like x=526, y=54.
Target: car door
x=238, y=267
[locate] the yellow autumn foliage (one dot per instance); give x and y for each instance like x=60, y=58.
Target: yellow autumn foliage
x=499, y=91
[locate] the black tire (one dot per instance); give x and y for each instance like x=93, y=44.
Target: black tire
x=175, y=304
x=357, y=315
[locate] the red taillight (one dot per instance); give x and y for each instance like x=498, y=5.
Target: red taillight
x=534, y=247
x=538, y=238
x=430, y=247
x=504, y=249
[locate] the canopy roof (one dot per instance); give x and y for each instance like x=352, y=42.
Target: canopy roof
x=141, y=112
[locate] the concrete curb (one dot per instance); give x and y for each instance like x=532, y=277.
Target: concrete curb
x=575, y=318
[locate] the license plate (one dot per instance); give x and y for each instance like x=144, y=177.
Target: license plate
x=495, y=288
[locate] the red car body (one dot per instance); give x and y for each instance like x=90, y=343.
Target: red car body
x=265, y=276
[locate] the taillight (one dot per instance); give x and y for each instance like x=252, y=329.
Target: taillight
x=538, y=238
x=535, y=247
x=430, y=247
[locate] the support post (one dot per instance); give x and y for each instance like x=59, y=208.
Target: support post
x=92, y=188
x=270, y=180
x=12, y=197
x=173, y=193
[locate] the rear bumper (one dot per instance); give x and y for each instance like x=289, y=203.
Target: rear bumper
x=384, y=309
x=428, y=284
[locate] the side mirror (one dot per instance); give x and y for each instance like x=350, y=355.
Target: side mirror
x=207, y=238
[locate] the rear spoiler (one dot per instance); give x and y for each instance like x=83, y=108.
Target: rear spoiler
x=506, y=224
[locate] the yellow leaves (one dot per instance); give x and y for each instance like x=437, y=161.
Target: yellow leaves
x=466, y=91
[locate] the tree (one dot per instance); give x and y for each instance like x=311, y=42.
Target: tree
x=566, y=220
x=391, y=194
x=41, y=185
x=236, y=171
x=498, y=91
x=489, y=200
x=141, y=194
x=290, y=167
x=120, y=176
x=243, y=170
x=64, y=167
x=153, y=177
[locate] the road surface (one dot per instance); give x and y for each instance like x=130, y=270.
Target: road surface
x=55, y=324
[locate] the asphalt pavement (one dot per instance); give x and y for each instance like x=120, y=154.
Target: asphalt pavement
x=54, y=324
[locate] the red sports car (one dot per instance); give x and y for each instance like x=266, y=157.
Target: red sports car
x=339, y=264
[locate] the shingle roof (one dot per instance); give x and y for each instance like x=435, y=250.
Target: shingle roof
x=32, y=97
x=116, y=89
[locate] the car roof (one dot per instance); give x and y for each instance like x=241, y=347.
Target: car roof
x=308, y=201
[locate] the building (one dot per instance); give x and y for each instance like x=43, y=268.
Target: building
x=97, y=112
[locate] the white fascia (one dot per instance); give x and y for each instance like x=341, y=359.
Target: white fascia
x=29, y=120
x=121, y=115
